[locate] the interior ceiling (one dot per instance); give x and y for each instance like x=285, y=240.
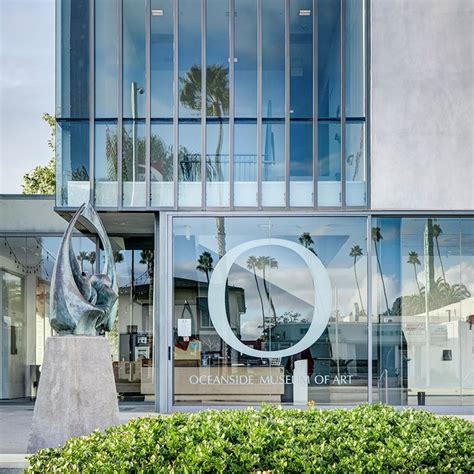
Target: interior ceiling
x=120, y=223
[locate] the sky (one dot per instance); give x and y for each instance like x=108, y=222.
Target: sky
x=26, y=88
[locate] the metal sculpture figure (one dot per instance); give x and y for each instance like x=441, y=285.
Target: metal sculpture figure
x=83, y=304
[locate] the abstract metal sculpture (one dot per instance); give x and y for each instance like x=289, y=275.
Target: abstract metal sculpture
x=83, y=304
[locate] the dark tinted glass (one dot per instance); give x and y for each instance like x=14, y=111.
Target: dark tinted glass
x=105, y=162
x=329, y=59
x=72, y=59
x=106, y=58
x=273, y=58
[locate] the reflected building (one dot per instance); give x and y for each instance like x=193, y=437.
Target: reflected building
x=273, y=176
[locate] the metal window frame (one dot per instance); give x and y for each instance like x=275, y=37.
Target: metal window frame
x=91, y=101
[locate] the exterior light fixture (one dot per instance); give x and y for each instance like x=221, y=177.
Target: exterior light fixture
x=305, y=12
x=157, y=13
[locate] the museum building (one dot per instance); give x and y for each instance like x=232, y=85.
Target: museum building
x=287, y=188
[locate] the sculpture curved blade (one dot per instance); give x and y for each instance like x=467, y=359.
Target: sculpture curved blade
x=82, y=304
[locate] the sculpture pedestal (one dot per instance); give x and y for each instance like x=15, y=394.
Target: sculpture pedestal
x=76, y=393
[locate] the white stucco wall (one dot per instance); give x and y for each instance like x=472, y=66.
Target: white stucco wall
x=422, y=104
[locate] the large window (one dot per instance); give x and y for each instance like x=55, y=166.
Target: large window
x=263, y=284
x=423, y=320
x=294, y=68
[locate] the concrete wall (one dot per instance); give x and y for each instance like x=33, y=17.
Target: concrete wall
x=422, y=104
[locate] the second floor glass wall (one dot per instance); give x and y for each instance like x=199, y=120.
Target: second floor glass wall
x=216, y=104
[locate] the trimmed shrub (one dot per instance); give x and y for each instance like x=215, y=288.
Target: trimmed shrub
x=365, y=439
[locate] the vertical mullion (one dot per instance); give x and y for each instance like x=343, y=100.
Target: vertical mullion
x=175, y=102
x=148, y=101
x=120, y=107
x=259, y=103
x=343, y=105
x=91, y=99
x=203, y=102
x=369, y=310
x=366, y=39
x=315, y=104
x=231, y=100
x=287, y=103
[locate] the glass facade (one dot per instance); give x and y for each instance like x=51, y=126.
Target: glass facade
x=423, y=290
x=213, y=68
x=26, y=266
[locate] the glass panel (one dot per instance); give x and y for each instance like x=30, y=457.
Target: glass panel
x=245, y=64
x=329, y=164
x=72, y=59
x=189, y=56
x=269, y=304
x=273, y=164
x=217, y=57
x=329, y=59
x=134, y=58
x=301, y=164
x=245, y=165
x=301, y=58
x=423, y=314
x=131, y=338
x=25, y=280
x=355, y=164
x=106, y=164
x=162, y=186
x=133, y=164
x=72, y=163
x=217, y=165
x=161, y=61
x=355, y=58
x=273, y=58
x=106, y=58
x=189, y=170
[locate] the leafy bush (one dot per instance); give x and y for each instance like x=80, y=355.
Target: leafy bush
x=365, y=439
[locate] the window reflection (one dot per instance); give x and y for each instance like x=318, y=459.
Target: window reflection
x=133, y=165
x=217, y=164
x=162, y=186
x=134, y=58
x=189, y=161
x=245, y=64
x=301, y=163
x=355, y=164
x=329, y=59
x=423, y=318
x=106, y=58
x=72, y=163
x=189, y=58
x=301, y=58
x=329, y=164
x=217, y=58
x=273, y=164
x=106, y=164
x=355, y=58
x=161, y=59
x=245, y=165
x=273, y=59
x=269, y=306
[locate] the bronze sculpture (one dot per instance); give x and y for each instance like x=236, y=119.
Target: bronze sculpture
x=83, y=304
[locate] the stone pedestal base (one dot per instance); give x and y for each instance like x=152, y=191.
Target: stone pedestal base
x=76, y=393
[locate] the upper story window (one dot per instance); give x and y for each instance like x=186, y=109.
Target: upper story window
x=214, y=104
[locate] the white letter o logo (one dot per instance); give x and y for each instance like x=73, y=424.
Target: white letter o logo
x=322, y=298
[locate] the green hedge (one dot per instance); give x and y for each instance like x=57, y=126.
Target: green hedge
x=365, y=439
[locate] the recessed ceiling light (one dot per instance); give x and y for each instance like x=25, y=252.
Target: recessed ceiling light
x=305, y=12
x=157, y=13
